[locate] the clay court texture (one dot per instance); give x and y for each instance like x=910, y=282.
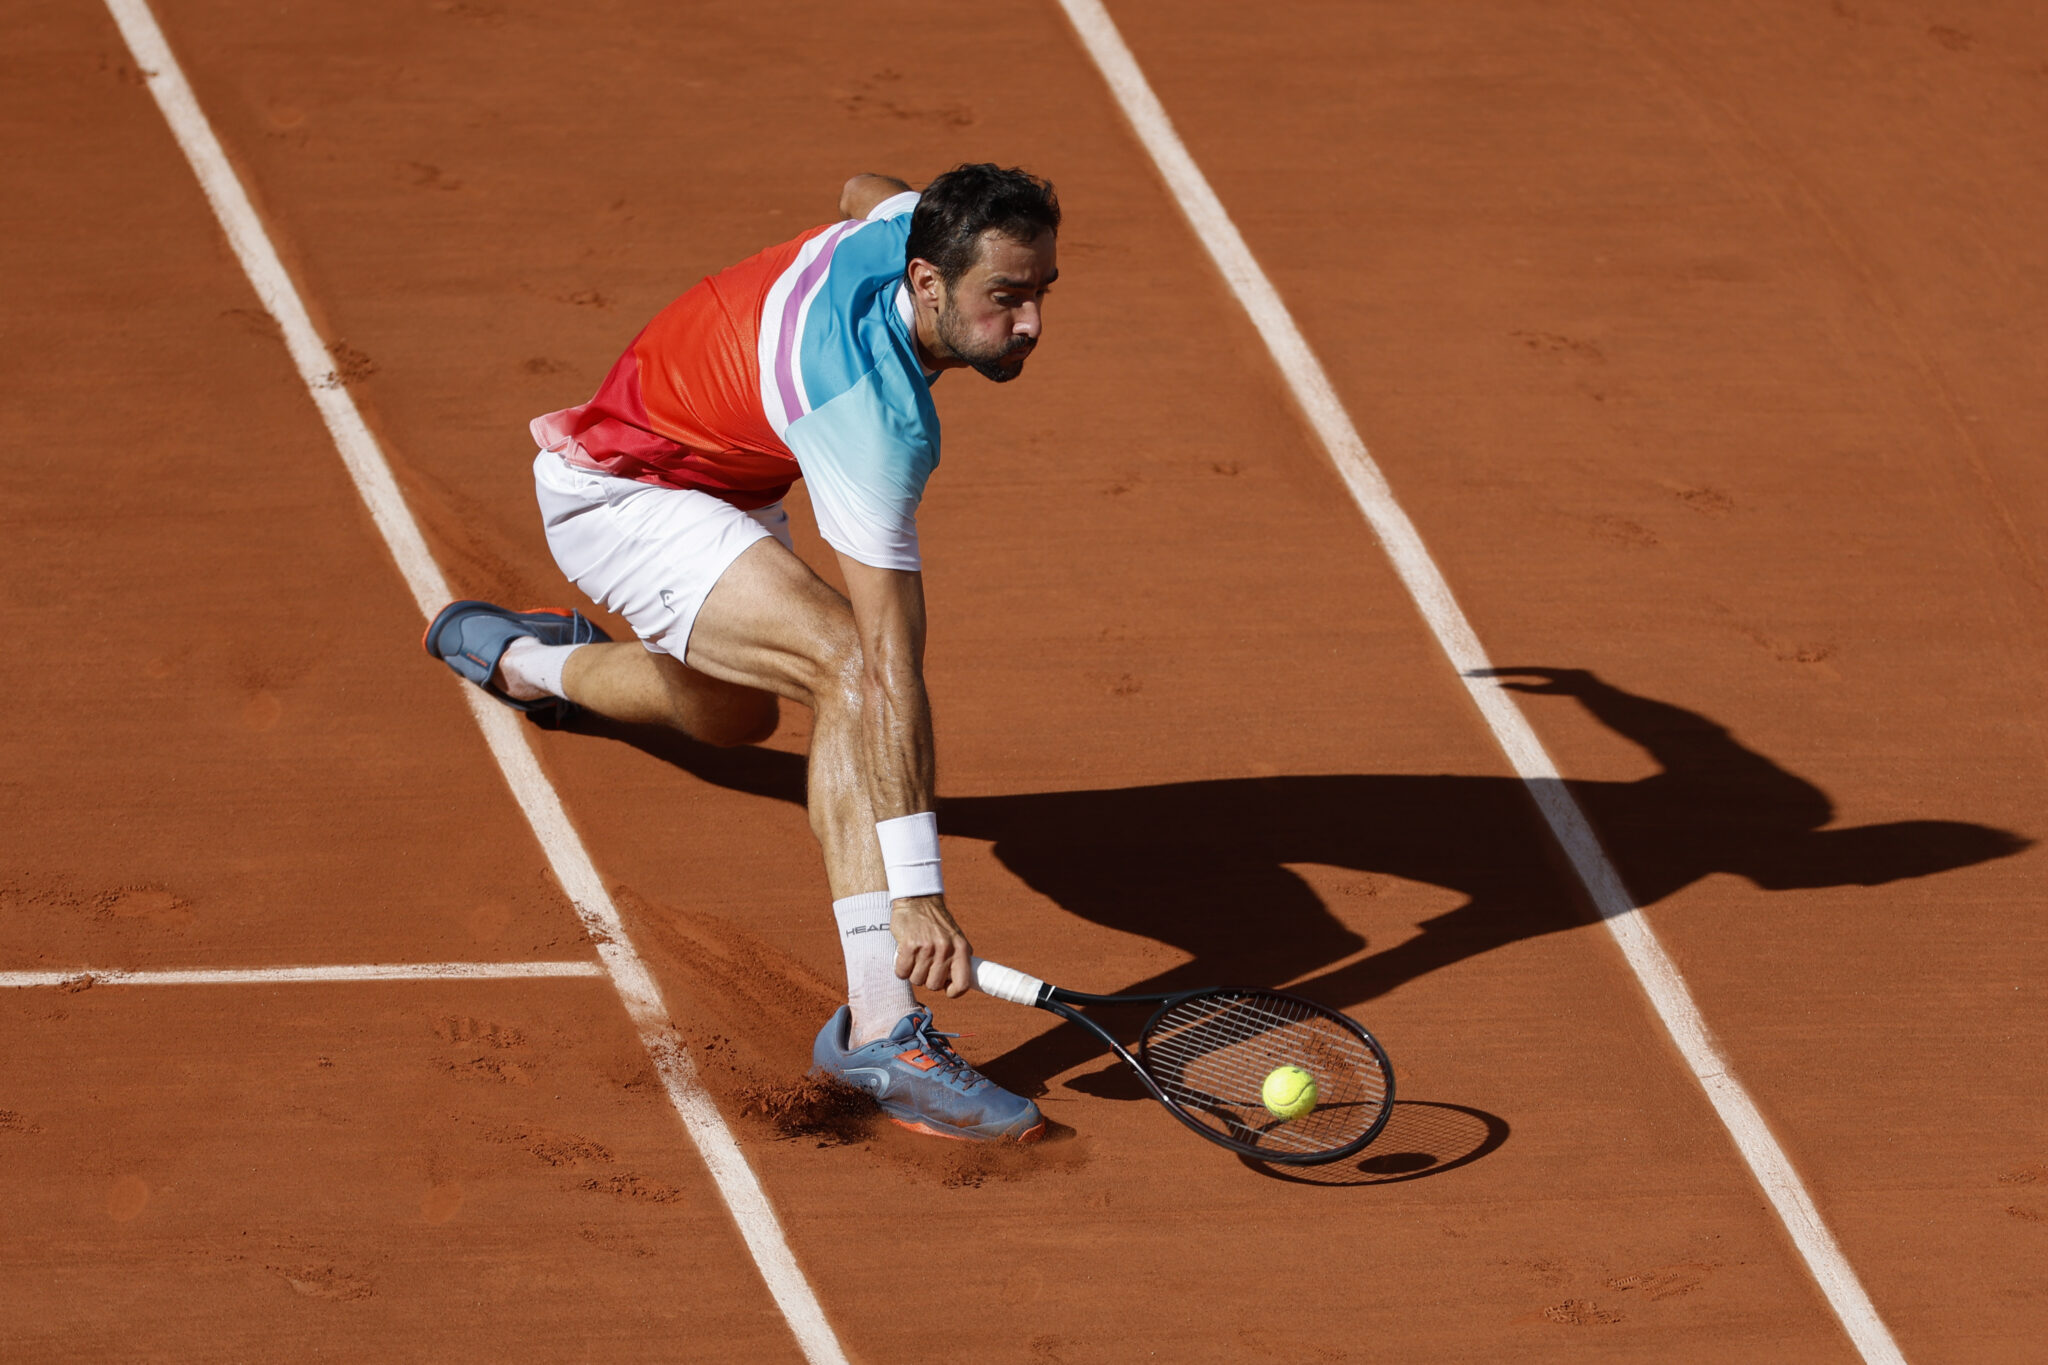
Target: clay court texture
x=1700, y=348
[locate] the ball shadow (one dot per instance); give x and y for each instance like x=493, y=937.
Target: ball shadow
x=1423, y=1138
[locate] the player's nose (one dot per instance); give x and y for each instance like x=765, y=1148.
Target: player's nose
x=1029, y=323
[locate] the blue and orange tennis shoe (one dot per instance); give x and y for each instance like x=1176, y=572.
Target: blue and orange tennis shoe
x=470, y=637
x=922, y=1084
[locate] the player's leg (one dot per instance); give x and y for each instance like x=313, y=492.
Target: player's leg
x=649, y=553
x=771, y=623
x=637, y=686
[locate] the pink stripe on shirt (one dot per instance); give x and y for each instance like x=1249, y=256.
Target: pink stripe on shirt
x=786, y=343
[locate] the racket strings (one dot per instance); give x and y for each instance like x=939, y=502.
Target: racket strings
x=1212, y=1054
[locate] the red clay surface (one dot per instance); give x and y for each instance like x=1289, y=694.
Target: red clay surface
x=1705, y=351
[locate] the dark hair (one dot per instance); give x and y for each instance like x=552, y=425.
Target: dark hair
x=967, y=201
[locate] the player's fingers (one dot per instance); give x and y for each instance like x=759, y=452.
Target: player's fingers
x=958, y=965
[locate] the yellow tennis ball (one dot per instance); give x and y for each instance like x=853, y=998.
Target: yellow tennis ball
x=1289, y=1092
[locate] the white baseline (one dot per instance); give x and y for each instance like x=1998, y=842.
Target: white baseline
x=1653, y=967
x=735, y=1179
x=288, y=976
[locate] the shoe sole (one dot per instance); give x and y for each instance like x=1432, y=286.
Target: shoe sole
x=925, y=1127
x=1031, y=1134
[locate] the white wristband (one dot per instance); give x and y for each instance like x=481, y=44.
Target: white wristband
x=910, y=855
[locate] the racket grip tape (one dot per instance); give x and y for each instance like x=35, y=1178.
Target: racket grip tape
x=1006, y=983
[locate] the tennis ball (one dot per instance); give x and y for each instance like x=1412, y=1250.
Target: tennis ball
x=1289, y=1092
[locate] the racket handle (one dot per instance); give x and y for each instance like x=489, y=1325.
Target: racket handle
x=1006, y=983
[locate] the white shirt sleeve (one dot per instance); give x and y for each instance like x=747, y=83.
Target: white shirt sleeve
x=893, y=206
x=865, y=462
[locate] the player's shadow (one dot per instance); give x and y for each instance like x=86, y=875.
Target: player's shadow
x=1203, y=866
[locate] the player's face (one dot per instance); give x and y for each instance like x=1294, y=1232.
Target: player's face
x=991, y=316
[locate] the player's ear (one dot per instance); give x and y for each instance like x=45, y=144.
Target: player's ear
x=926, y=284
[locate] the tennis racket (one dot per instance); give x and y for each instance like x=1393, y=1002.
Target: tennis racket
x=1206, y=1055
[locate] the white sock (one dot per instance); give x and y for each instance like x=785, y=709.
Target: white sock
x=876, y=994
x=532, y=670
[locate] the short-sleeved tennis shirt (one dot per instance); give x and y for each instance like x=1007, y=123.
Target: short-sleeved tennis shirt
x=799, y=362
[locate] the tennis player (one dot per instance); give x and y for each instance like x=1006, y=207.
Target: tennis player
x=662, y=500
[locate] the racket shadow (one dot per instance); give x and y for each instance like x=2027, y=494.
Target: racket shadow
x=1423, y=1138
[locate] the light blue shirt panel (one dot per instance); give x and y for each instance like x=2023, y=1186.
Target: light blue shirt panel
x=853, y=325
x=866, y=457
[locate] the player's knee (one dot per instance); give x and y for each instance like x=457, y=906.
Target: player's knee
x=836, y=673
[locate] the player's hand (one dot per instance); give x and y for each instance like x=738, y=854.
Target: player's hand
x=931, y=952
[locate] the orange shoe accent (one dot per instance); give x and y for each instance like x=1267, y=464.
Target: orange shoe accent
x=930, y=1132
x=918, y=1058
x=1033, y=1135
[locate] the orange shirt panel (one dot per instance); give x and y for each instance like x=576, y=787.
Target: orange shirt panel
x=700, y=364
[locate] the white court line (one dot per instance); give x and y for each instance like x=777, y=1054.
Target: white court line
x=736, y=1181
x=1654, y=968
x=267, y=976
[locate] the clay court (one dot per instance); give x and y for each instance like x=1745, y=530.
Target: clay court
x=1703, y=346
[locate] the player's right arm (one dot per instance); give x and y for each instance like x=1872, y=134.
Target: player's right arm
x=863, y=192
x=896, y=744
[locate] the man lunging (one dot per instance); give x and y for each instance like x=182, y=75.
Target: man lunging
x=662, y=500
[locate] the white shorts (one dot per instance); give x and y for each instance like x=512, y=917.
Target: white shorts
x=648, y=553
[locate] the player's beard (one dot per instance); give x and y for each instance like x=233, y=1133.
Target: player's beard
x=985, y=360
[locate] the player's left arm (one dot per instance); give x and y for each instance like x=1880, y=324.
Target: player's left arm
x=863, y=192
